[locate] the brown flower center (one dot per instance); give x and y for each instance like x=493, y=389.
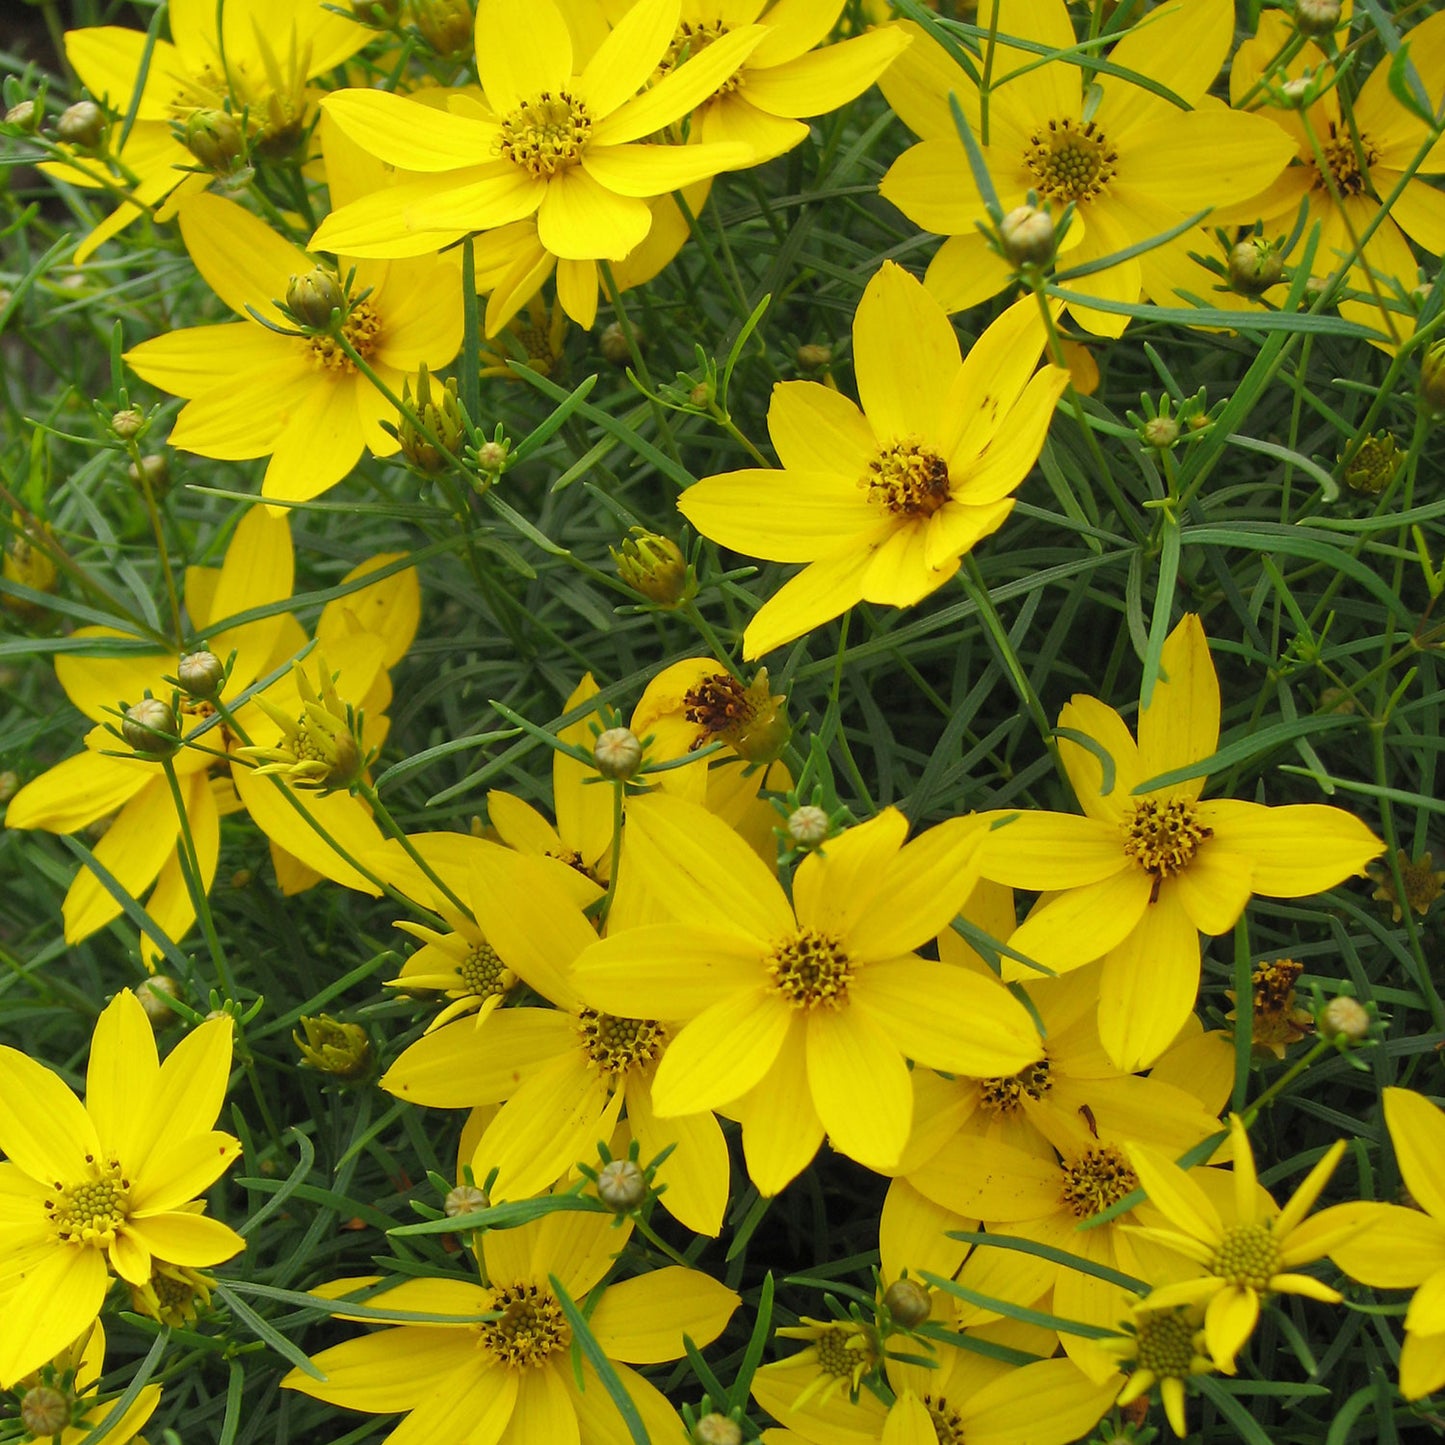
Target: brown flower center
x=947, y=1420
x=1099, y=1177
x=1162, y=837
x=1349, y=168
x=547, y=134
x=1069, y=161
x=717, y=704
x=362, y=329
x=692, y=38
x=1006, y=1095
x=615, y=1045
x=907, y=478
x=530, y=1330
x=810, y=970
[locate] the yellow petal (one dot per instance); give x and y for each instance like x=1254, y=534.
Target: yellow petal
x=1176, y=1195
x=1296, y=850
x=389, y=1370
x=189, y=1091
x=1183, y=46
x=909, y=1422
x=406, y=134
x=1214, y=888
x=1150, y=983
x=57, y=1301
x=1051, y=850
x=926, y=884
x=643, y=1320
x=1054, y=1401
x=1417, y=1130
x=197, y=359
x=819, y=593
x=696, y=1172
x=1229, y=1320
x=446, y=1069
x=965, y=271
x=1098, y=721
x=182, y=1171
x=1083, y=923
x=77, y=792
x=789, y=516
x=523, y=50
x=722, y=1053
x=901, y=571
x=121, y=1076
x=43, y=1128
x=1422, y=1365
x=670, y=968
x=649, y=170
x=242, y=259
x=628, y=55
x=781, y=1128
x=194, y=1241
x=581, y=219
x=820, y=82
x=817, y=430
x=835, y=885
x=1180, y=724
x=860, y=1086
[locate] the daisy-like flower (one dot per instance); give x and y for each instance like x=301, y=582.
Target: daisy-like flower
x=562, y=1075
x=507, y=1370
x=1402, y=1248
x=799, y=1015
x=1246, y=1254
x=548, y=140
x=257, y=65
x=301, y=400
x=1166, y=1348
x=1132, y=164
x=460, y=963
x=107, y=1185
x=1145, y=872
x=884, y=502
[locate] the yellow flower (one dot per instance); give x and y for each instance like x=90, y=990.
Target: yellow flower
x=461, y=963
x=1144, y=873
x=1248, y=1256
x=63, y=1391
x=107, y=1185
x=506, y=1369
x=1132, y=164
x=1404, y=1248
x=884, y=502
x=1167, y=1348
x=548, y=140
x=800, y=1015
x=298, y=399
x=322, y=749
x=271, y=49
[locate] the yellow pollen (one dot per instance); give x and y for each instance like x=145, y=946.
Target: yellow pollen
x=530, y=1330
x=362, y=328
x=947, y=1420
x=482, y=972
x=1163, y=837
x=1247, y=1255
x=1344, y=161
x=90, y=1211
x=1070, y=162
x=810, y=970
x=1006, y=1095
x=907, y=478
x=1165, y=1344
x=1099, y=1177
x=615, y=1045
x=546, y=135
x=840, y=1352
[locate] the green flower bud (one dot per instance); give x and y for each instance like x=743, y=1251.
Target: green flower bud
x=82, y=124
x=127, y=424
x=1317, y=17
x=332, y=1047
x=654, y=566
x=154, y=472
x=156, y=995
x=613, y=344
x=813, y=357
x=214, y=138
x=465, y=1199
x=44, y=1411
x=1344, y=1018
x=1160, y=432
x=312, y=298
x=908, y=1302
x=25, y=115
x=150, y=727
x=201, y=673
x=808, y=826
x=9, y=784
x=440, y=413
x=621, y=1186
x=1254, y=266
x=715, y=1429
x=617, y=753
x=446, y=25
x=1027, y=233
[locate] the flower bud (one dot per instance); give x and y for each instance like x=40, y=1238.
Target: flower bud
x=437, y=412
x=29, y=566
x=465, y=1199
x=44, y=1411
x=1296, y=91
x=156, y=994
x=201, y=673
x=1432, y=378
x=1160, y=432
x=25, y=115
x=1344, y=1019
x=82, y=124
x=446, y=25
x=808, y=826
x=154, y=473
x=715, y=1429
x=150, y=727
x=908, y=1302
x=1374, y=463
x=9, y=784
x=613, y=344
x=654, y=566
x=332, y=1047
x=312, y=298
x=127, y=424
x=1317, y=17
x=492, y=459
x=701, y=395
x=1027, y=233
x=1254, y=266
x=214, y=138
x=813, y=357
x=621, y=1186
x=617, y=753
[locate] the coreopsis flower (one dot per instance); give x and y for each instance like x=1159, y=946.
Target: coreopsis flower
x=1402, y=1248
x=1132, y=164
x=798, y=1015
x=322, y=750
x=564, y=144
x=882, y=503
x=1246, y=1253
x=1144, y=873
x=57, y=1402
x=460, y=963
x=1166, y=1348
x=563, y=1075
x=1276, y=1021
x=507, y=1369
x=298, y=399
x=109, y=1185
x=251, y=65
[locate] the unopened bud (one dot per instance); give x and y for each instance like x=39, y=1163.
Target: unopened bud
x=621, y=1186
x=9, y=784
x=154, y=473
x=446, y=25
x=30, y=566
x=1374, y=464
x=701, y=394
x=214, y=138
x=1317, y=17
x=201, y=673
x=465, y=1199
x=44, y=1411
x=617, y=753
x=25, y=114
x=1432, y=378
x=438, y=414
x=808, y=826
x=1345, y=1018
x=313, y=297
x=332, y=1047
x=715, y=1429
x=1296, y=91
x=908, y=1302
x=127, y=424
x=654, y=566
x=1254, y=266
x=156, y=995
x=813, y=357
x=613, y=344
x=81, y=124
x=1028, y=237
x=149, y=726
x=1160, y=432
x=492, y=458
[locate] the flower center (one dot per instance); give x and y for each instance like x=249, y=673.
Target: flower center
x=1163, y=837
x=530, y=1330
x=841, y=1353
x=1099, y=1177
x=482, y=972
x=1006, y=1095
x=947, y=1421
x=1070, y=162
x=617, y=1044
x=362, y=328
x=907, y=478
x=718, y=705
x=1166, y=1344
x=810, y=970
x=91, y=1211
x=1247, y=1255
x=1343, y=159
x=692, y=39
x=546, y=135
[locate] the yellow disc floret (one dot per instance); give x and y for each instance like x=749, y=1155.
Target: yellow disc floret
x=1247, y=1255
x=90, y=1210
x=1099, y=1177
x=529, y=1330
x=810, y=970
x=907, y=478
x=1163, y=837
x=1069, y=161
x=547, y=134
x=616, y=1045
